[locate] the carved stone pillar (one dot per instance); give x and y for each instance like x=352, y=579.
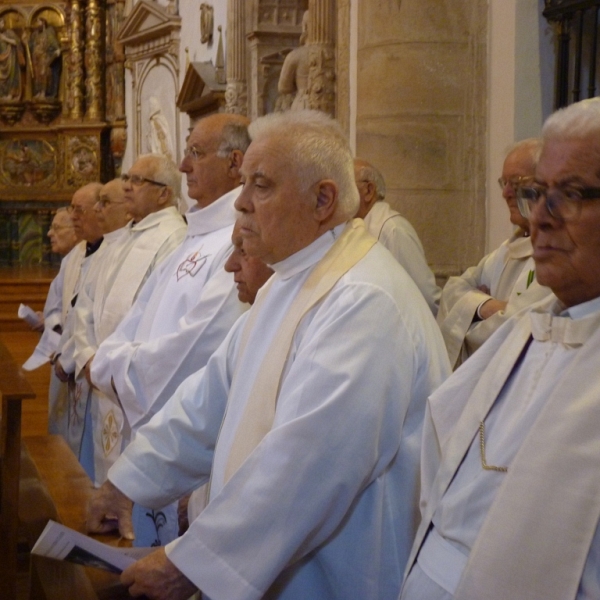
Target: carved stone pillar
x=94, y=61
x=236, y=94
x=75, y=70
x=321, y=44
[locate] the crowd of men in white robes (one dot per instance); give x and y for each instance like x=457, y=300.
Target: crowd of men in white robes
x=328, y=450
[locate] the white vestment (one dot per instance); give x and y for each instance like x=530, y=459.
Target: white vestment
x=325, y=505
x=131, y=259
x=179, y=319
x=401, y=239
x=531, y=532
x=509, y=273
x=65, y=411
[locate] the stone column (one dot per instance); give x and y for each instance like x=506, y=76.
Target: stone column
x=236, y=94
x=321, y=45
x=75, y=69
x=94, y=61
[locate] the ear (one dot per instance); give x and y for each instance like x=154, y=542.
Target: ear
x=327, y=200
x=165, y=197
x=235, y=162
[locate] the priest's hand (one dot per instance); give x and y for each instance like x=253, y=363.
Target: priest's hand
x=491, y=307
x=109, y=509
x=156, y=577
x=87, y=370
x=60, y=372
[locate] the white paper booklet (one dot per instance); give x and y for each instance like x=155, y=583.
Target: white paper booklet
x=63, y=543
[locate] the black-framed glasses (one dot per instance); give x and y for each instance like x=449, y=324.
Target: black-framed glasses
x=562, y=204
x=514, y=182
x=138, y=180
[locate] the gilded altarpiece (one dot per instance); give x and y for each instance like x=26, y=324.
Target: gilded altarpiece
x=62, y=114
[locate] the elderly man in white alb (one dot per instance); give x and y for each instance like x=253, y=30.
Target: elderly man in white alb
x=513, y=509
x=475, y=304
x=66, y=409
x=393, y=230
x=151, y=189
x=62, y=240
x=188, y=305
x=314, y=464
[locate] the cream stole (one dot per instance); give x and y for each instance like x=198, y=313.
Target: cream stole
x=352, y=245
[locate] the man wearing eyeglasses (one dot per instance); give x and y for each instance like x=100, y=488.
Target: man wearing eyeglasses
x=64, y=409
x=150, y=192
x=478, y=302
x=187, y=307
x=511, y=477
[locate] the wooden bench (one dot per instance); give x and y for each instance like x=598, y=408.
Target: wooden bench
x=14, y=388
x=55, y=486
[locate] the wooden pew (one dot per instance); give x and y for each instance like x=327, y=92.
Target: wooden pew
x=55, y=486
x=14, y=388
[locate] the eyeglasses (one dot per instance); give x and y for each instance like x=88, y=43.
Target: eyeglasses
x=195, y=153
x=514, y=182
x=138, y=180
x=72, y=209
x=58, y=228
x=104, y=202
x=562, y=204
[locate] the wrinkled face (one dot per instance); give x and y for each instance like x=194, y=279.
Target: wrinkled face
x=567, y=254
x=278, y=211
x=206, y=173
x=518, y=164
x=249, y=273
x=62, y=233
x=84, y=217
x=111, y=208
x=146, y=197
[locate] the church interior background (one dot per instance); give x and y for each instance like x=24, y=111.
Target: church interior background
x=430, y=91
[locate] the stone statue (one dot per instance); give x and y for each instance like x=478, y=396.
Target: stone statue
x=45, y=57
x=206, y=23
x=159, y=137
x=12, y=59
x=293, y=80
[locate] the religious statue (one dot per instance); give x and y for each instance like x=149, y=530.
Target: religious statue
x=45, y=52
x=293, y=80
x=206, y=23
x=12, y=59
x=159, y=137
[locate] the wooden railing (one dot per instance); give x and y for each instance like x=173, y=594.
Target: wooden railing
x=14, y=388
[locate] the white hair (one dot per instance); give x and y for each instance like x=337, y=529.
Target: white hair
x=164, y=170
x=367, y=172
x=576, y=121
x=531, y=145
x=317, y=149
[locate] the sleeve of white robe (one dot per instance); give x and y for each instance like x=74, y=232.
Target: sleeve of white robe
x=403, y=242
x=460, y=299
x=338, y=427
x=53, y=305
x=146, y=374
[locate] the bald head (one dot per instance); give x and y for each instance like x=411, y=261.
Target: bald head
x=213, y=156
x=83, y=215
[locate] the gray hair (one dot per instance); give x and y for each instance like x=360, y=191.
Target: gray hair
x=234, y=136
x=367, y=172
x=577, y=121
x=317, y=149
x=531, y=145
x=165, y=171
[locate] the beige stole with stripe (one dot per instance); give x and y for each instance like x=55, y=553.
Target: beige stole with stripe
x=257, y=420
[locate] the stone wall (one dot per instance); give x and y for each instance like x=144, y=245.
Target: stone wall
x=421, y=118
